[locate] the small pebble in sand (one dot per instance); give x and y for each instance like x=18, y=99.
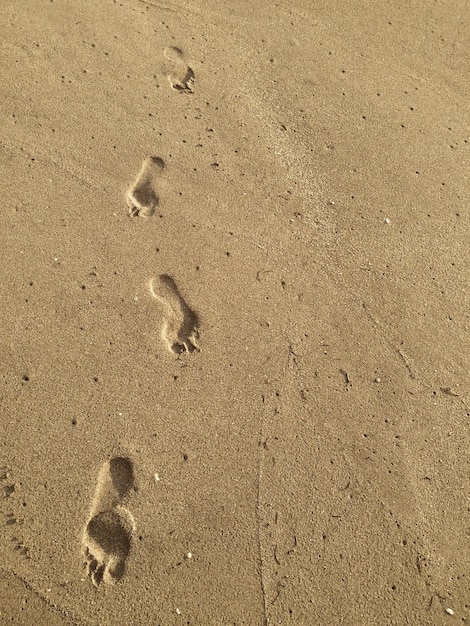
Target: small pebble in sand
x=156, y=477
x=386, y=220
x=189, y=555
x=178, y=612
x=377, y=380
x=449, y=611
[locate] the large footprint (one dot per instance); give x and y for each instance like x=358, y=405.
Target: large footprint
x=142, y=198
x=182, y=77
x=180, y=327
x=107, y=537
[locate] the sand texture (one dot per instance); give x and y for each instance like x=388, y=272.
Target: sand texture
x=235, y=313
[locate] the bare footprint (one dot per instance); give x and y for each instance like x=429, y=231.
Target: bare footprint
x=141, y=198
x=107, y=537
x=180, y=326
x=182, y=76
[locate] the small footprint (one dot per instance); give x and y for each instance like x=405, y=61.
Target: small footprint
x=182, y=77
x=107, y=537
x=141, y=198
x=180, y=327
x=12, y=520
x=20, y=547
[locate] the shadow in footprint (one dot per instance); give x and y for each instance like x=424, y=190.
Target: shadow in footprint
x=122, y=475
x=180, y=329
x=108, y=533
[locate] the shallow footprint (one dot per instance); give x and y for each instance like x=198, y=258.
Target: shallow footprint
x=141, y=198
x=107, y=537
x=180, y=326
x=182, y=77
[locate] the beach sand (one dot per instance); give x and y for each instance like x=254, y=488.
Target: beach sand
x=235, y=313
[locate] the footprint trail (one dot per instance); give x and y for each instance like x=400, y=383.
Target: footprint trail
x=180, y=327
x=107, y=537
x=182, y=77
x=141, y=197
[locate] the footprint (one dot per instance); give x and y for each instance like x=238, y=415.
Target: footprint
x=107, y=537
x=182, y=77
x=141, y=198
x=180, y=327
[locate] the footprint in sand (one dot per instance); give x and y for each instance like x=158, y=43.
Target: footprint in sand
x=180, y=326
x=182, y=76
x=142, y=198
x=107, y=536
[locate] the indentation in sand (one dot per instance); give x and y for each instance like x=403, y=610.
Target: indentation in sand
x=142, y=198
x=182, y=76
x=180, y=327
x=107, y=537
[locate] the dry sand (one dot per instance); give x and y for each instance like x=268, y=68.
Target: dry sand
x=234, y=312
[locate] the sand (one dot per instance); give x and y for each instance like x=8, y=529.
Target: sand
x=235, y=313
